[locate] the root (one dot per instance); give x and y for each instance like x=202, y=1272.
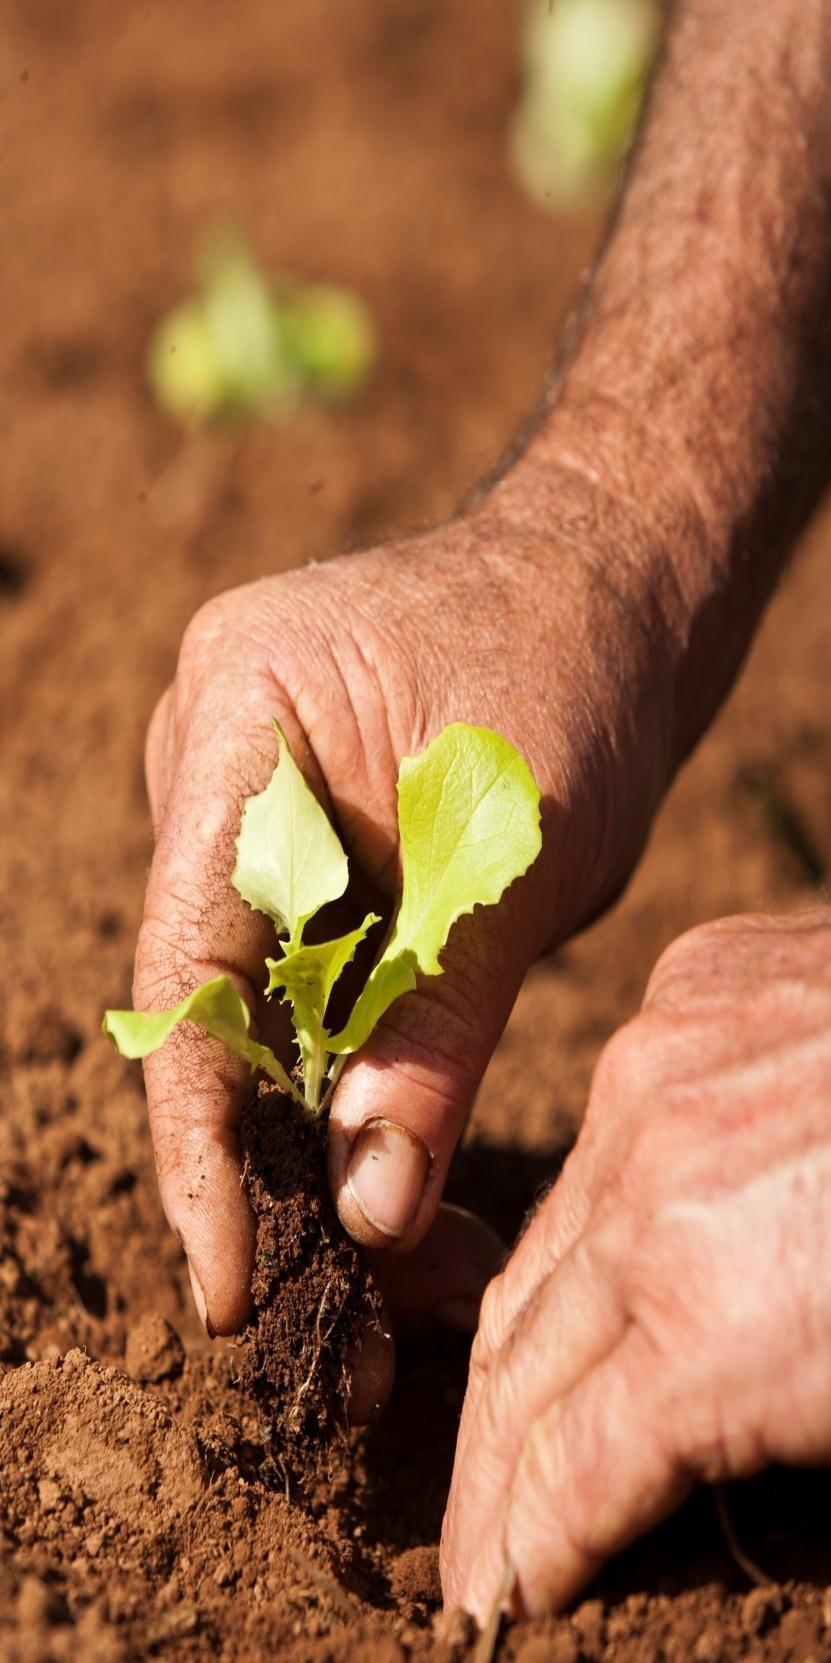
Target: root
x=751, y=1570
x=321, y=1340
x=485, y=1648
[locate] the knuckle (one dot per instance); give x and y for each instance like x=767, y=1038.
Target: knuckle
x=224, y=658
x=619, y=1061
x=693, y=957
x=649, y=1063
x=489, y=1334
x=158, y=752
x=206, y=628
x=481, y=1354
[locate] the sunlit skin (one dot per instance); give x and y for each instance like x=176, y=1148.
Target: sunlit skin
x=667, y=1315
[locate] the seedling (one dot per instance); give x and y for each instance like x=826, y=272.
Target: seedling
x=469, y=824
x=245, y=344
x=586, y=63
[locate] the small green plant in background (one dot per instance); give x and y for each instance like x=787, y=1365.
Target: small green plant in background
x=246, y=344
x=586, y=63
x=469, y=824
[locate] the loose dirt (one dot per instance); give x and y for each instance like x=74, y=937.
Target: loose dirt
x=315, y=1302
x=143, y=1509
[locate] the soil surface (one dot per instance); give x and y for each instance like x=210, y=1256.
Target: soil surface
x=142, y=1512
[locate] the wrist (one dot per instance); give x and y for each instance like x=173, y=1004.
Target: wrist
x=586, y=641
x=633, y=528
x=641, y=515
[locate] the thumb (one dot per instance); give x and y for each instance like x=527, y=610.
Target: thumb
x=402, y=1104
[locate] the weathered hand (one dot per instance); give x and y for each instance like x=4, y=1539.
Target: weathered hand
x=667, y=1315
x=363, y=660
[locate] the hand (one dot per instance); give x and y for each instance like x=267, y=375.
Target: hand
x=667, y=1315
x=362, y=661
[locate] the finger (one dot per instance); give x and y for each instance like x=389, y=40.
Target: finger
x=442, y=1281
x=444, y=1277
x=558, y=1222
x=575, y=1318
x=402, y=1104
x=510, y=1301
x=597, y=1469
x=195, y=927
x=553, y=1231
x=600, y=1154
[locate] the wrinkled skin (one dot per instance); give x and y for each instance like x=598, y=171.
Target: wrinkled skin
x=363, y=661
x=667, y=1315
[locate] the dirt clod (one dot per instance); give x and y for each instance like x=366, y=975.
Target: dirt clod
x=709, y=1646
x=564, y=1646
x=589, y=1622
x=454, y=1632
x=799, y=1638
x=153, y=1351
x=83, y=1439
x=761, y=1608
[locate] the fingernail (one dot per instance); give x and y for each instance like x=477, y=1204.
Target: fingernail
x=386, y=1175
x=199, y=1301
x=460, y=1314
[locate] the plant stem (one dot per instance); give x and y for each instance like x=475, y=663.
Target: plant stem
x=314, y=1067
x=334, y=1076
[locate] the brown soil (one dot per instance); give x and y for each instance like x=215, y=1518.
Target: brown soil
x=314, y=1299
x=141, y=1511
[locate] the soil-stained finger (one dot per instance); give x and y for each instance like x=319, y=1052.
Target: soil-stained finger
x=195, y=927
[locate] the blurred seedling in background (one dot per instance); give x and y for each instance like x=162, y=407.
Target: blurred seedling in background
x=586, y=64
x=469, y=824
x=246, y=344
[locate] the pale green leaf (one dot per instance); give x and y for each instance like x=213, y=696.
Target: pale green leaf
x=289, y=859
x=390, y=978
x=469, y=824
x=317, y=967
x=217, y=1008
x=308, y=975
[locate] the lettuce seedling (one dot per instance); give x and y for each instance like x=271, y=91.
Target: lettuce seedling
x=246, y=344
x=469, y=824
x=586, y=64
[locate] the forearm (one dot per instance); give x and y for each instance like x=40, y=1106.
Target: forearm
x=694, y=388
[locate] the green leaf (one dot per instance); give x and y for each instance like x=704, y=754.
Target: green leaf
x=330, y=334
x=308, y=975
x=469, y=824
x=289, y=859
x=317, y=966
x=390, y=978
x=217, y=1008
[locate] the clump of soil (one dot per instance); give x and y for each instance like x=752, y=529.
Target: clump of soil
x=314, y=1297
